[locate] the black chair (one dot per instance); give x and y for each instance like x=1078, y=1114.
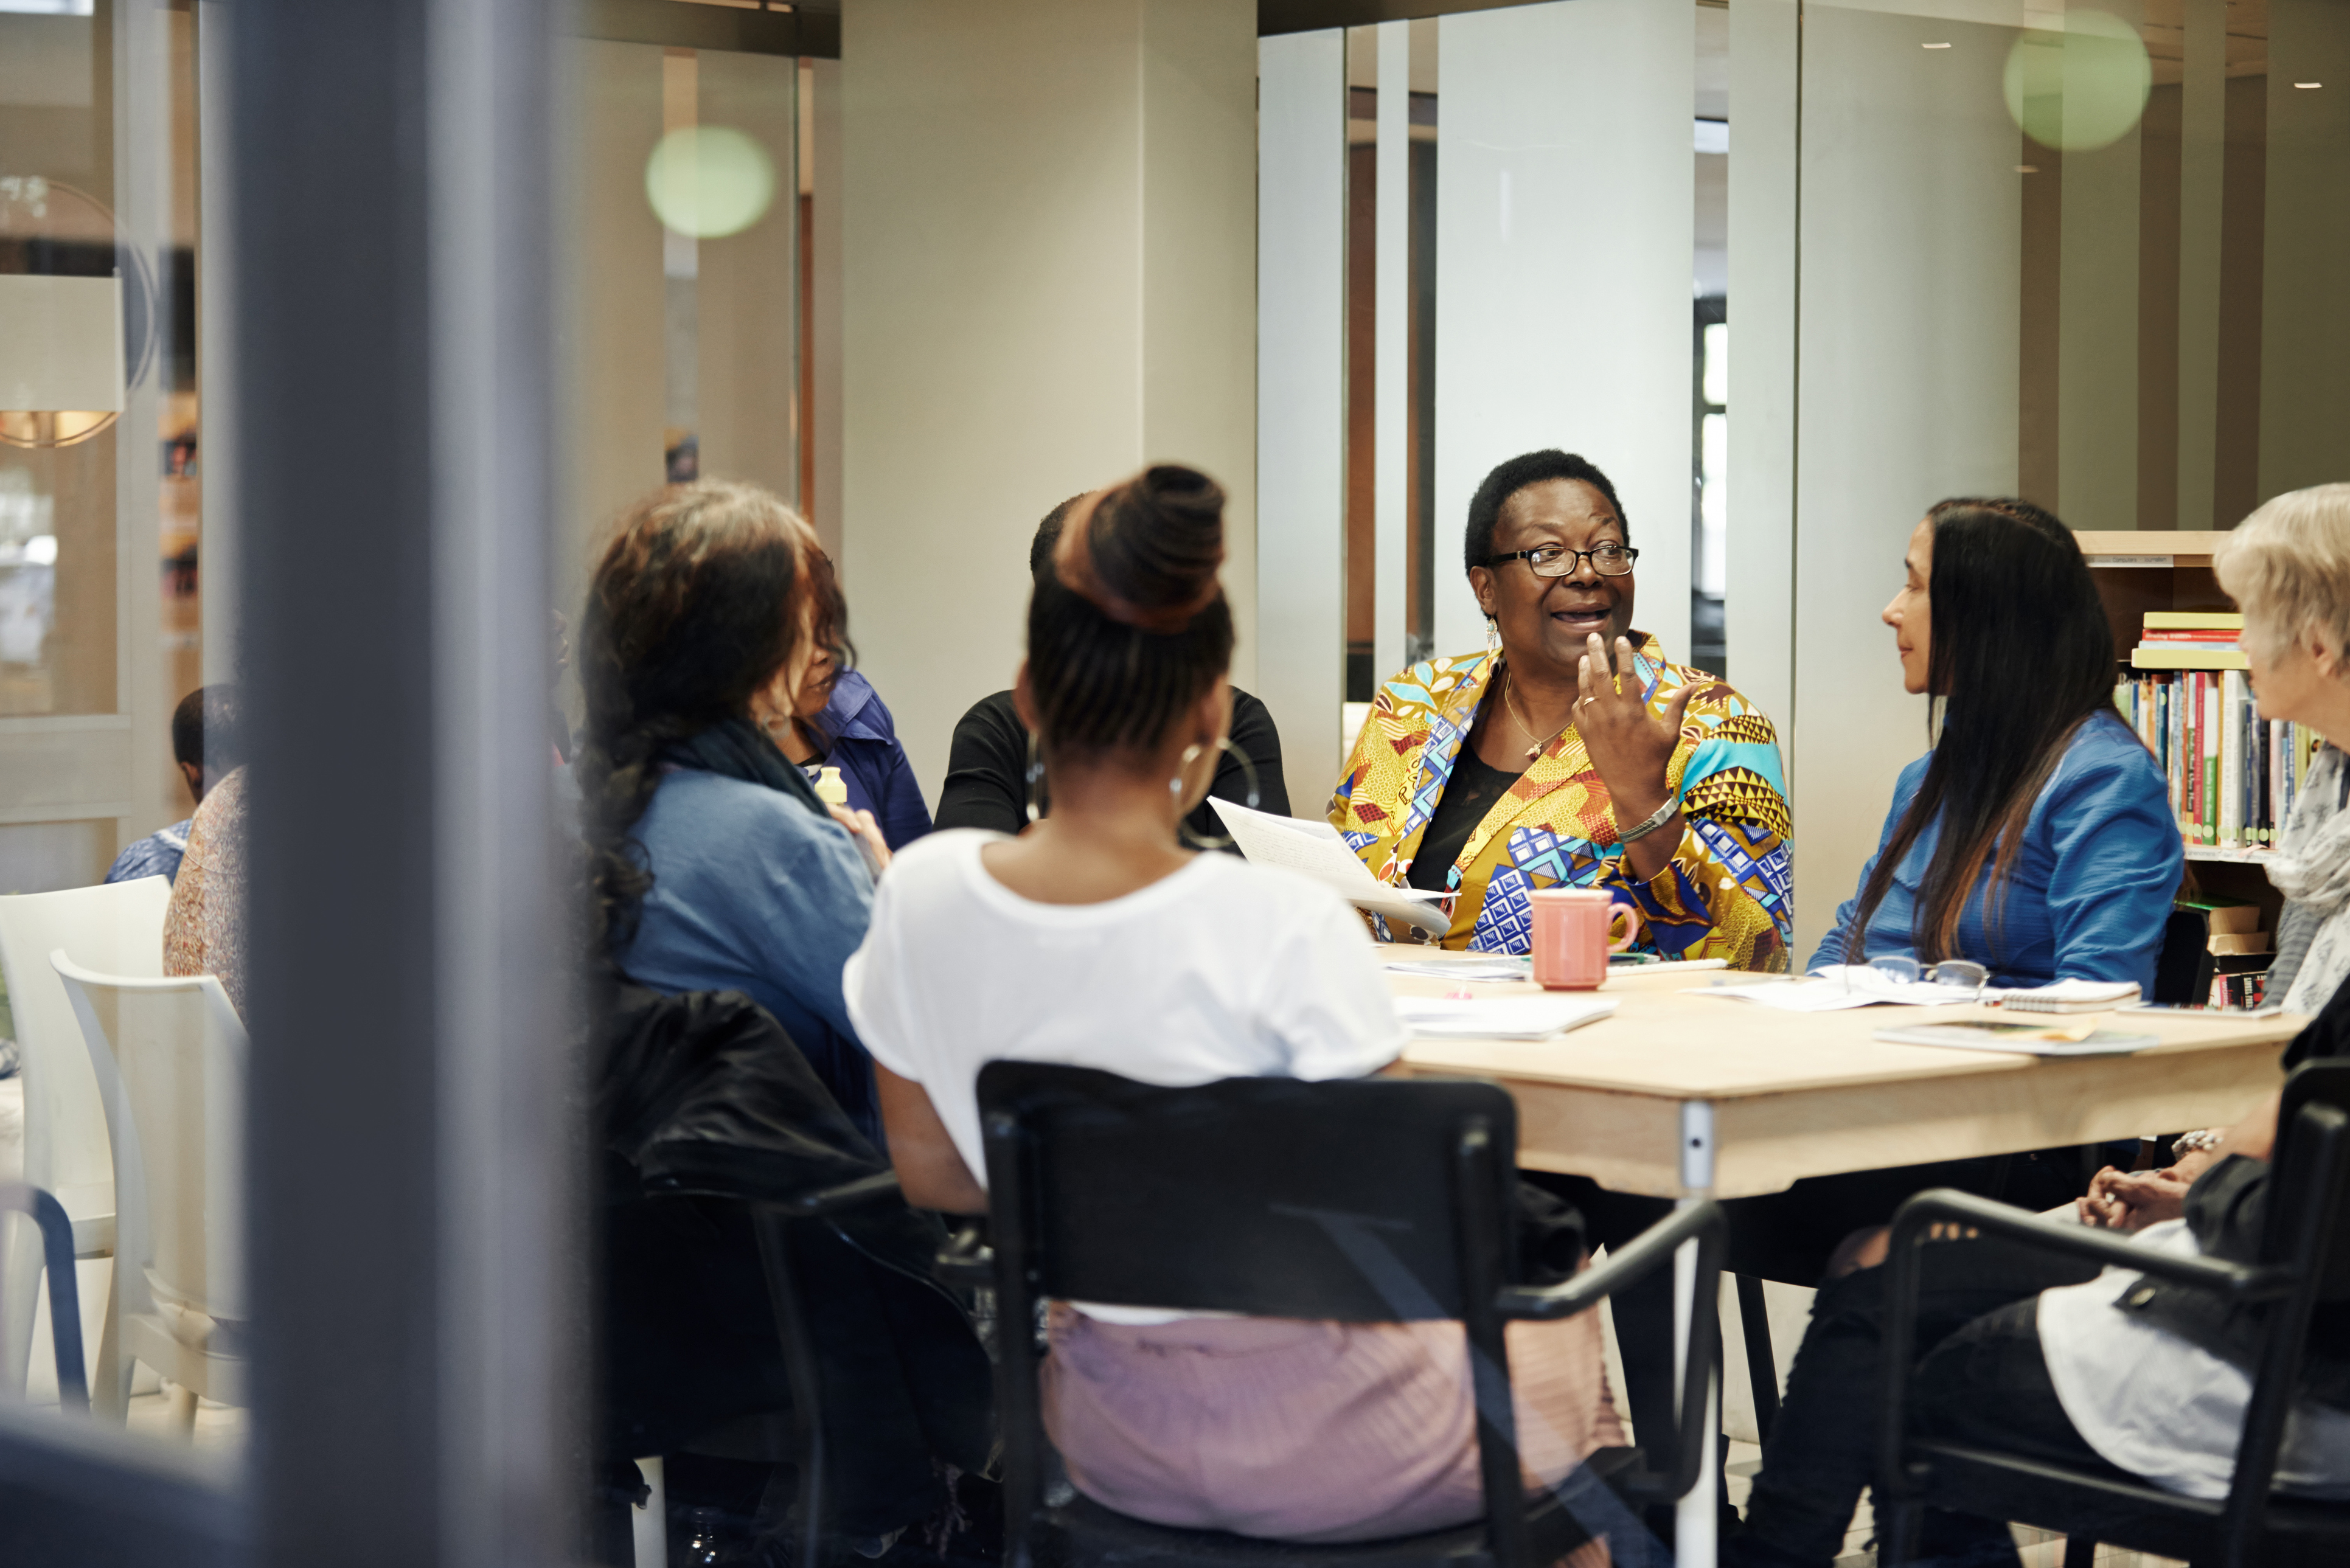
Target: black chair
x=774, y=1225
x=2301, y=1262
x=1361, y=1201
x=65, y=1294
x=2182, y=971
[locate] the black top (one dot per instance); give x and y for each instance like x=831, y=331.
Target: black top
x=1468, y=794
x=987, y=769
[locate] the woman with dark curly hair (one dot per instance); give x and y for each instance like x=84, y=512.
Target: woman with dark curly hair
x=714, y=867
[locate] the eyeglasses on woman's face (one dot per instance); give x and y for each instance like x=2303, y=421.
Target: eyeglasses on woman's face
x=1610, y=560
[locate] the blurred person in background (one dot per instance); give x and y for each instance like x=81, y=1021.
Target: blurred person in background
x=715, y=867
x=203, y=928
x=205, y=745
x=840, y=722
x=994, y=776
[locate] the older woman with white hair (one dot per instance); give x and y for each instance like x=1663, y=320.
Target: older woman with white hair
x=2287, y=567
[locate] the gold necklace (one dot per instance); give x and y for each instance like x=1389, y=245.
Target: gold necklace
x=1510, y=702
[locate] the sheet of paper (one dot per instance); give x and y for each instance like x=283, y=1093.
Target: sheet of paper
x=1466, y=969
x=1315, y=848
x=1502, y=1018
x=1837, y=987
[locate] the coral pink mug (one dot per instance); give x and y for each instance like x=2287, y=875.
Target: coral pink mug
x=1574, y=932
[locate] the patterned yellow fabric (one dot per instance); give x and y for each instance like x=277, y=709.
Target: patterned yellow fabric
x=1725, y=892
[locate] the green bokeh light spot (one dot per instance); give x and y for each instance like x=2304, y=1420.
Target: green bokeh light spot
x=710, y=181
x=2081, y=89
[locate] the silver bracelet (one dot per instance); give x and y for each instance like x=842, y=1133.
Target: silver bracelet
x=1656, y=819
x=2195, y=1142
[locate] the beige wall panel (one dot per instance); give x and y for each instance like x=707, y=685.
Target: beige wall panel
x=612, y=337
x=1199, y=268
x=2097, y=369
x=2306, y=310
x=747, y=303
x=1009, y=178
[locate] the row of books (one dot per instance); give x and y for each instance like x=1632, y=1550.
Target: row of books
x=2233, y=775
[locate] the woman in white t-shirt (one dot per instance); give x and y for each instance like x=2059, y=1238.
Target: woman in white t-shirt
x=1096, y=938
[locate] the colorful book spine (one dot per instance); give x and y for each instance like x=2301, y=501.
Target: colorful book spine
x=2229, y=721
x=2231, y=776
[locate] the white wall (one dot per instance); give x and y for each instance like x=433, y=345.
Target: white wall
x=1758, y=606
x=1912, y=234
x=1049, y=243
x=1565, y=234
x=1301, y=369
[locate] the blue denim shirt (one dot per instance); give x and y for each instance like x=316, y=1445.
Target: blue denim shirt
x=753, y=892
x=2099, y=865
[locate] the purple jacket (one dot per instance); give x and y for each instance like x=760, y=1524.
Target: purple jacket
x=861, y=740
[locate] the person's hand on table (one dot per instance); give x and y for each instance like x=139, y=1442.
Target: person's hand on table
x=2133, y=1200
x=861, y=826
x=1631, y=748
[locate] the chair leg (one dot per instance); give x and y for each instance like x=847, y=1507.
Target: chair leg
x=183, y=1409
x=1897, y=1534
x=1762, y=1359
x=110, y=1390
x=649, y=1524
x=20, y=1295
x=2080, y=1551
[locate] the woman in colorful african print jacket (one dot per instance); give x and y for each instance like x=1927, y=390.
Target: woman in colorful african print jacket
x=1530, y=765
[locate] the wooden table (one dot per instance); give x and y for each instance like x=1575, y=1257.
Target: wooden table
x=1780, y=1096
x=1683, y=1096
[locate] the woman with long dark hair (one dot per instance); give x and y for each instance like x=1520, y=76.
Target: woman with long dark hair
x=713, y=866
x=2035, y=839
x=1097, y=939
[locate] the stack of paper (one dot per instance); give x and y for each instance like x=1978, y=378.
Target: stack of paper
x=1502, y=1018
x=1314, y=847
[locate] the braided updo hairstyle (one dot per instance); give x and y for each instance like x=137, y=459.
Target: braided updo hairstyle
x=1128, y=626
x=705, y=593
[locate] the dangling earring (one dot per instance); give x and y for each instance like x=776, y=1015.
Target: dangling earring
x=1035, y=780
x=1175, y=785
x=1183, y=823
x=1493, y=636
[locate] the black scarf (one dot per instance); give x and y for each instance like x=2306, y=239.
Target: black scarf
x=739, y=749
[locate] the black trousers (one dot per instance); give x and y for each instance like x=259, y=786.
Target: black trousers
x=1786, y=1236
x=1980, y=1378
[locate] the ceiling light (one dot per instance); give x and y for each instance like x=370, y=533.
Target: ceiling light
x=2307, y=84
x=1933, y=46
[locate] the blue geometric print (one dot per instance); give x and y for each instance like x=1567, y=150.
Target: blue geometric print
x=1356, y=841
x=1436, y=759
x=1774, y=871
x=1535, y=858
x=1505, y=924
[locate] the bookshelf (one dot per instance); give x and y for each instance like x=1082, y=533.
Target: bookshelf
x=2139, y=571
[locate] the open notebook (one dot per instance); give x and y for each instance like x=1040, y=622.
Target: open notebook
x=1313, y=847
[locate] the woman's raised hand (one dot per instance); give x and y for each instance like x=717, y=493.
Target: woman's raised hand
x=1628, y=745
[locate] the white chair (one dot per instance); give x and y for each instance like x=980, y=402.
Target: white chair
x=169, y=1060
x=118, y=929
